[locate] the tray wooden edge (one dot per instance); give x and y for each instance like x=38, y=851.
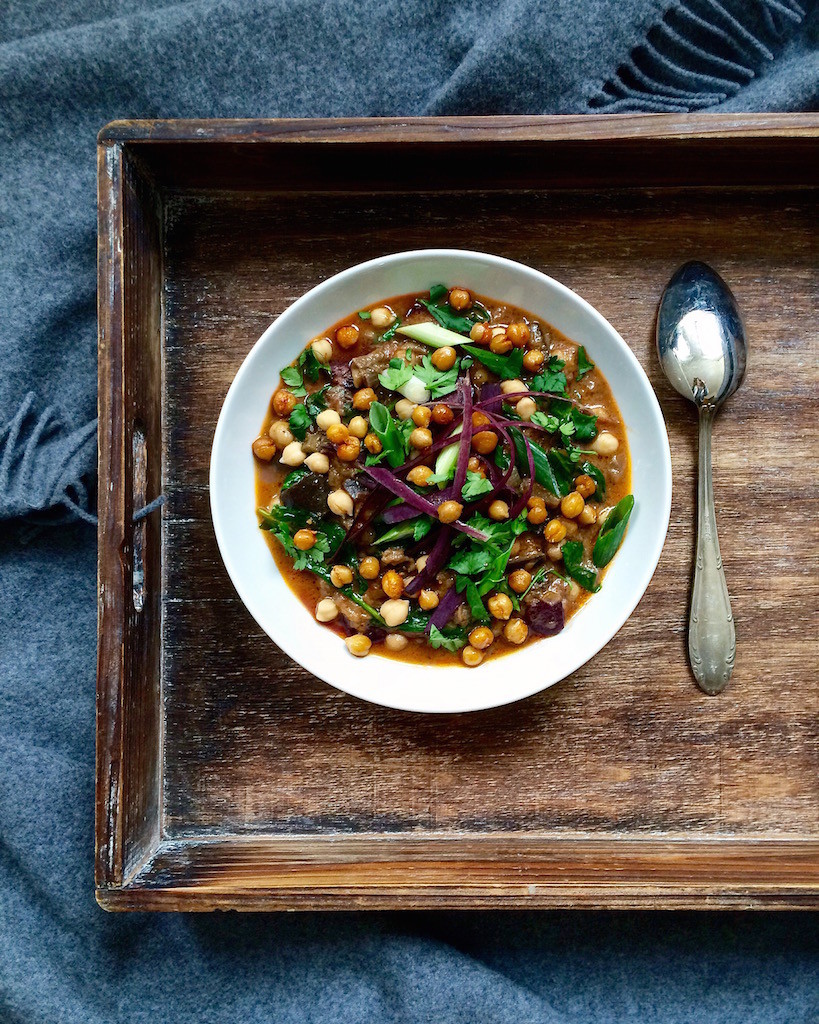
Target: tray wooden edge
x=504, y=871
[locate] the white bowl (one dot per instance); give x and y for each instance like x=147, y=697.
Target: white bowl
x=392, y=683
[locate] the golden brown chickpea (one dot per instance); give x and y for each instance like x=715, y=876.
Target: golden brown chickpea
x=533, y=360
x=337, y=433
x=264, y=448
x=480, y=375
x=284, y=402
x=369, y=567
x=485, y=441
x=554, y=532
x=500, y=345
x=535, y=502
x=470, y=657
x=448, y=511
x=419, y=475
x=515, y=631
x=442, y=414
x=421, y=438
x=500, y=606
x=347, y=336
x=373, y=444
x=480, y=419
x=363, y=399
x=537, y=515
x=585, y=486
x=350, y=450
x=304, y=539
x=428, y=600
x=519, y=580
x=459, y=298
x=499, y=510
x=479, y=334
x=444, y=358
x=474, y=465
x=518, y=333
x=341, y=575
x=421, y=416
x=392, y=584
x=572, y=505
x=358, y=645
x=481, y=637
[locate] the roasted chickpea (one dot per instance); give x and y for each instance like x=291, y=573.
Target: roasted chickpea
x=481, y=637
x=519, y=580
x=555, y=531
x=537, y=515
x=480, y=334
x=341, y=575
x=470, y=657
x=448, y=511
x=419, y=475
x=304, y=539
x=350, y=450
x=264, y=448
x=358, y=427
x=515, y=631
x=480, y=375
x=444, y=358
x=499, y=510
x=363, y=399
x=347, y=336
x=518, y=333
x=585, y=486
x=572, y=505
x=459, y=298
x=533, y=360
x=480, y=419
x=358, y=645
x=373, y=444
x=485, y=441
x=337, y=433
x=392, y=584
x=500, y=345
x=421, y=416
x=284, y=402
x=442, y=414
x=428, y=600
x=369, y=567
x=500, y=606
x=535, y=502
x=474, y=465
x=421, y=438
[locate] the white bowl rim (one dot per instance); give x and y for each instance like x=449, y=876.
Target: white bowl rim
x=301, y=653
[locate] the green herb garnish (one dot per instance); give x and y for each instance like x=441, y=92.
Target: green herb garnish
x=506, y=367
x=451, y=641
x=292, y=377
x=552, y=379
x=612, y=532
x=572, y=551
x=475, y=486
x=393, y=437
x=584, y=364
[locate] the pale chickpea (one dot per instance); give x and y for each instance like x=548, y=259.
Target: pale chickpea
x=293, y=454
x=347, y=336
x=603, y=514
x=358, y=645
x=340, y=503
x=358, y=427
x=421, y=563
x=515, y=631
x=317, y=463
x=605, y=443
x=500, y=606
x=444, y=358
x=526, y=408
x=404, y=408
x=554, y=552
x=327, y=418
x=281, y=433
x=470, y=657
x=264, y=448
x=381, y=316
x=395, y=642
x=588, y=517
x=326, y=610
x=512, y=387
x=341, y=575
x=394, y=612
x=323, y=350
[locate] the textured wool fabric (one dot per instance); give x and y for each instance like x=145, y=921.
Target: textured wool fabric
x=66, y=68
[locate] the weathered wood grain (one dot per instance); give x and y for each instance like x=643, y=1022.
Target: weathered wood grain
x=626, y=750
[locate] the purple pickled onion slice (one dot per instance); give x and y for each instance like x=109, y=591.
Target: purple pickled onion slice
x=489, y=391
x=401, y=490
x=435, y=561
x=449, y=604
x=465, y=443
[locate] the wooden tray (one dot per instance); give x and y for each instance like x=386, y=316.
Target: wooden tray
x=229, y=777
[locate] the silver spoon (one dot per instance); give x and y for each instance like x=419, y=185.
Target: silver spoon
x=702, y=350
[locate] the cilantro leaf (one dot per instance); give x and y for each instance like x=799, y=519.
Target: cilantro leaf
x=292, y=377
x=396, y=375
x=364, y=314
x=390, y=331
x=475, y=486
x=469, y=563
x=584, y=424
x=454, y=640
x=551, y=379
x=438, y=382
x=584, y=364
x=299, y=422
x=311, y=366
x=542, y=419
x=317, y=401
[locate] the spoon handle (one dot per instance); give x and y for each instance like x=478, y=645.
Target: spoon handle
x=711, y=636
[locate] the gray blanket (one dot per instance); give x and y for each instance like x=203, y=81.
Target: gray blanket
x=68, y=67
